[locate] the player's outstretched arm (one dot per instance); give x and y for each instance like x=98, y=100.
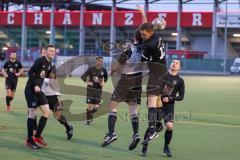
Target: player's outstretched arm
x=144, y=17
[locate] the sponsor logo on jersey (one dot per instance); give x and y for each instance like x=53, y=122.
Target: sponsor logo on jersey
x=175, y=82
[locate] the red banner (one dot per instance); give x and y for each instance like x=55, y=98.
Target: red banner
x=103, y=18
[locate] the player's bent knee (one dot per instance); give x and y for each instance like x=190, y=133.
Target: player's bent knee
x=45, y=111
x=152, y=101
x=96, y=106
x=169, y=126
x=32, y=113
x=9, y=93
x=46, y=114
x=57, y=114
x=90, y=106
x=133, y=108
x=113, y=106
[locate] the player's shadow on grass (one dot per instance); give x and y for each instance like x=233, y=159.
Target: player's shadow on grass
x=82, y=153
x=98, y=145
x=16, y=113
x=44, y=153
x=88, y=143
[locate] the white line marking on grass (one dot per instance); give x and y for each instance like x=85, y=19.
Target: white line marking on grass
x=209, y=114
x=209, y=124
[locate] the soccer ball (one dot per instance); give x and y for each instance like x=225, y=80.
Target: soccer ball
x=159, y=24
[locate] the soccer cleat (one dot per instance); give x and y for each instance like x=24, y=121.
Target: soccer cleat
x=149, y=138
x=70, y=132
x=134, y=142
x=109, y=139
x=144, y=151
x=88, y=122
x=167, y=151
x=31, y=144
x=39, y=141
x=8, y=109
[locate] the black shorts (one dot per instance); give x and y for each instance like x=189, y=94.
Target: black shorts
x=55, y=103
x=93, y=95
x=33, y=99
x=11, y=83
x=155, y=82
x=168, y=113
x=128, y=89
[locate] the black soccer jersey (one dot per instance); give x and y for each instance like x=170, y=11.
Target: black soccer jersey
x=95, y=76
x=178, y=88
x=153, y=50
x=41, y=69
x=11, y=68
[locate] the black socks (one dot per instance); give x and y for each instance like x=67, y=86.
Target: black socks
x=168, y=137
x=152, y=118
x=135, y=123
x=112, y=118
x=41, y=125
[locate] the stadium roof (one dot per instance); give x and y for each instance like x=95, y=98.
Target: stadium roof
x=106, y=5
x=153, y=5
x=121, y=1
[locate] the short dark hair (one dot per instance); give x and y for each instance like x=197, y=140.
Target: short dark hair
x=179, y=61
x=49, y=46
x=137, y=36
x=99, y=57
x=146, y=26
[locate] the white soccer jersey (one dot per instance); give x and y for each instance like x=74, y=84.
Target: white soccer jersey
x=50, y=87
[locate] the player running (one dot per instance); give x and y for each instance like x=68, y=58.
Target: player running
x=95, y=78
x=167, y=110
x=12, y=69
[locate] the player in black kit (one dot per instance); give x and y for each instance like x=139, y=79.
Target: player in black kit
x=168, y=101
x=95, y=77
x=129, y=87
x=35, y=98
x=153, y=53
x=12, y=69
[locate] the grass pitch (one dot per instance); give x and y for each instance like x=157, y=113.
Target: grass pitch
x=207, y=126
